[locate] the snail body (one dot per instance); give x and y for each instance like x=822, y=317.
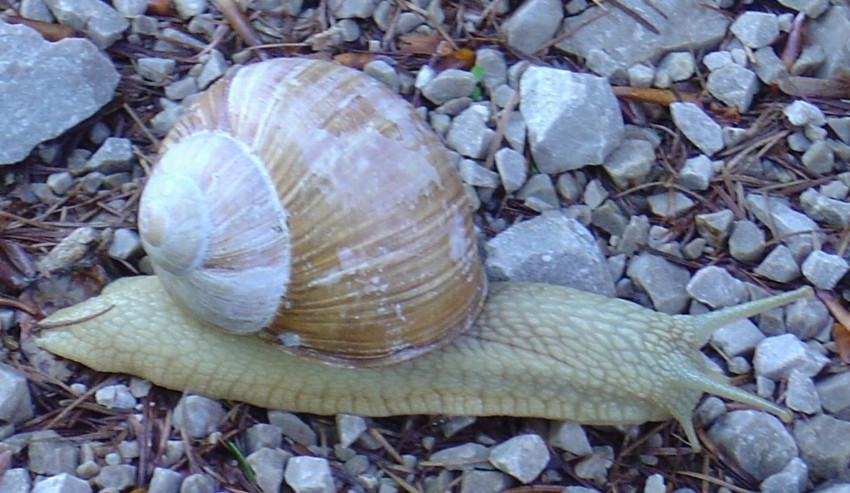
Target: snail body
x=529, y=349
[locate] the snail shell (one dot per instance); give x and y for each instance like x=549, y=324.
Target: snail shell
x=302, y=201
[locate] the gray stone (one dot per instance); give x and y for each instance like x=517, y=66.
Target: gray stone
x=736, y=339
x=197, y=416
x=594, y=194
x=62, y=483
x=539, y=193
x=819, y=158
x=309, y=475
x=262, y=435
x=635, y=234
x=829, y=211
x=36, y=10
x=841, y=127
x=776, y=357
x=717, y=59
x=512, y=169
x=156, y=69
x=125, y=244
x=609, y=217
x=503, y=95
x=829, y=32
x=52, y=457
x=795, y=228
x=823, y=269
x=768, y=66
x=662, y=280
x=349, y=428
x=757, y=441
x=698, y=127
x=806, y=318
x=801, y=113
x=350, y=31
x=573, y=119
x=655, y=484
x=462, y=457
x=181, y=89
x=164, y=480
x=533, y=24
x=524, y=457
x=268, y=464
x=15, y=399
x=16, y=480
x=449, y=84
x=293, y=427
x=385, y=73
x=515, y=131
x=641, y=75
x=801, y=395
x=569, y=436
x=469, y=134
x=198, y=483
x=53, y=87
x=187, y=9
x=669, y=204
x=734, y=85
x=746, y=243
x=214, y=65
x=477, y=175
x=674, y=67
x=494, y=68
x=116, y=477
x=824, y=446
x=812, y=8
x=715, y=226
x=756, y=29
x=715, y=287
x=694, y=248
x=130, y=8
x=834, y=190
x=115, y=397
x=595, y=467
x=485, y=482
x=549, y=248
x=834, y=392
x=344, y=9
x=114, y=155
x=793, y=478
x=618, y=40
x=454, y=424
x=834, y=488
x=630, y=163
x=101, y=23
x=779, y=265
x=697, y=172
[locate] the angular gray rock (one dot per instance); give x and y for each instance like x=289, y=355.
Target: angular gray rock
x=523, y=457
x=757, y=441
x=15, y=399
x=734, y=85
x=53, y=87
x=449, y=84
x=533, y=24
x=550, y=248
x=662, y=280
x=613, y=40
x=834, y=392
x=829, y=32
x=715, y=287
x=197, y=416
x=756, y=29
x=793, y=478
x=776, y=357
x=784, y=222
x=572, y=119
x=101, y=23
x=832, y=212
x=62, y=483
x=309, y=475
x=779, y=265
x=824, y=446
x=824, y=270
x=698, y=127
x=630, y=163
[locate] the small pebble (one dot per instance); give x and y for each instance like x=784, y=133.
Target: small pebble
x=115, y=397
x=197, y=416
x=309, y=475
x=524, y=457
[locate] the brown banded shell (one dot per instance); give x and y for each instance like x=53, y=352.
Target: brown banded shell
x=305, y=201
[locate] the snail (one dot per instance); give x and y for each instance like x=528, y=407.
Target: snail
x=315, y=252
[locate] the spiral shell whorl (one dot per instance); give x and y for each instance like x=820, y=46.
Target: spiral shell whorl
x=384, y=260
x=221, y=252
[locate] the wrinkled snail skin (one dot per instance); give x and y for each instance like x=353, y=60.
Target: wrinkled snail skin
x=314, y=252
x=536, y=350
